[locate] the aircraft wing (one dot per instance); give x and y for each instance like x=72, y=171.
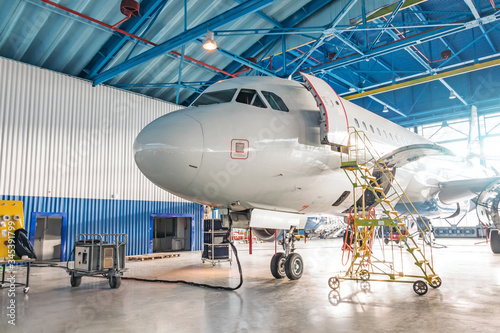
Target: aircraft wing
x=450, y=191
x=407, y=154
x=458, y=190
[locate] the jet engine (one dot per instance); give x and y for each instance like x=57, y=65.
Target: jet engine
x=488, y=205
x=488, y=212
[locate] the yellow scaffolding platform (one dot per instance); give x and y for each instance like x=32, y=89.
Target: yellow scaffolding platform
x=371, y=257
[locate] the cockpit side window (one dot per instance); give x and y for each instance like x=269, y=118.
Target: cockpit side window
x=275, y=101
x=215, y=97
x=250, y=97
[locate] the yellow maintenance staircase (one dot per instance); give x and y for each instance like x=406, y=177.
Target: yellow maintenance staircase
x=369, y=255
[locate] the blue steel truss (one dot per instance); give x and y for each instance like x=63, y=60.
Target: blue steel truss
x=181, y=39
x=355, y=45
x=116, y=42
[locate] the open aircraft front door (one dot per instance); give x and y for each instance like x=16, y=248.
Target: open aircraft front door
x=334, y=127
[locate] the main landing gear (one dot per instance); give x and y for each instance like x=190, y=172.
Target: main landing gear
x=288, y=264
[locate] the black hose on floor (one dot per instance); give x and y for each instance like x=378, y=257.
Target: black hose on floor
x=203, y=285
x=48, y=265
x=194, y=284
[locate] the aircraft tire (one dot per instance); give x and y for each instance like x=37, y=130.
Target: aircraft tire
x=294, y=266
x=495, y=241
x=278, y=265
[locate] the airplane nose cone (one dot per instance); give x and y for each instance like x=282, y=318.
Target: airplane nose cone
x=169, y=151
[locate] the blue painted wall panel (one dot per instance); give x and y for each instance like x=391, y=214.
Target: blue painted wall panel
x=111, y=216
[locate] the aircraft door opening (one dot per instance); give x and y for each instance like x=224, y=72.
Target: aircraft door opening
x=171, y=233
x=334, y=127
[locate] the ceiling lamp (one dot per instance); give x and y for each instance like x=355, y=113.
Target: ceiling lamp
x=352, y=89
x=385, y=109
x=209, y=43
x=452, y=95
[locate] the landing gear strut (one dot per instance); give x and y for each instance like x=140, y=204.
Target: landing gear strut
x=287, y=263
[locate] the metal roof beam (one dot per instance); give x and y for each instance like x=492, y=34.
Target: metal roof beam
x=114, y=44
x=423, y=18
x=429, y=78
x=294, y=19
x=351, y=85
x=395, y=46
x=470, y=44
x=267, y=41
x=474, y=11
x=358, y=89
x=427, y=67
x=387, y=23
x=242, y=61
x=184, y=37
x=325, y=33
x=358, y=50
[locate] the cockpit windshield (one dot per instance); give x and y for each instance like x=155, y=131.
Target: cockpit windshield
x=215, y=97
x=251, y=97
x=275, y=101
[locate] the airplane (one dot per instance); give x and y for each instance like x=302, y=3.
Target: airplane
x=266, y=152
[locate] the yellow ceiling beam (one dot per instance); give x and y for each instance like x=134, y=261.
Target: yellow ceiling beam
x=425, y=79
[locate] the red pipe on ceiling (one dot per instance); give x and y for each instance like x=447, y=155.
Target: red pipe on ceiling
x=131, y=35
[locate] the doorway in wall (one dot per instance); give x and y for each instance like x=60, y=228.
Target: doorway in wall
x=48, y=235
x=170, y=233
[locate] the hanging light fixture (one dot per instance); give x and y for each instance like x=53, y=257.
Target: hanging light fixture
x=452, y=95
x=209, y=43
x=385, y=109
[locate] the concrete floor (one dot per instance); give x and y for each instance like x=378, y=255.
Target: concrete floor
x=468, y=300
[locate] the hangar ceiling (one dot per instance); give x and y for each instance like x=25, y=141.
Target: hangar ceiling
x=411, y=61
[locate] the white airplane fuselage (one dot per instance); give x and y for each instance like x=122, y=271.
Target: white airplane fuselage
x=243, y=156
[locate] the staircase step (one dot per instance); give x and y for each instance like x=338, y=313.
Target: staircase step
x=371, y=178
x=422, y=262
x=350, y=165
x=378, y=189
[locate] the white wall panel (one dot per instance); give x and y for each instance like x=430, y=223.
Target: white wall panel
x=61, y=137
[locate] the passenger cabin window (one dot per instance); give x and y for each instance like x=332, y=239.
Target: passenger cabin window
x=275, y=101
x=250, y=97
x=215, y=97
x=371, y=128
x=356, y=122
x=364, y=126
x=378, y=131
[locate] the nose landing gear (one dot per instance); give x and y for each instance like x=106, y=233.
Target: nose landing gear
x=288, y=263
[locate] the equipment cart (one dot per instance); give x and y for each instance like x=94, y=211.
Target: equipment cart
x=7, y=284
x=99, y=254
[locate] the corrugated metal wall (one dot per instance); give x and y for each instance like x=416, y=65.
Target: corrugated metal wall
x=66, y=146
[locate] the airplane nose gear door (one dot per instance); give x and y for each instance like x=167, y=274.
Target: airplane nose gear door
x=334, y=127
